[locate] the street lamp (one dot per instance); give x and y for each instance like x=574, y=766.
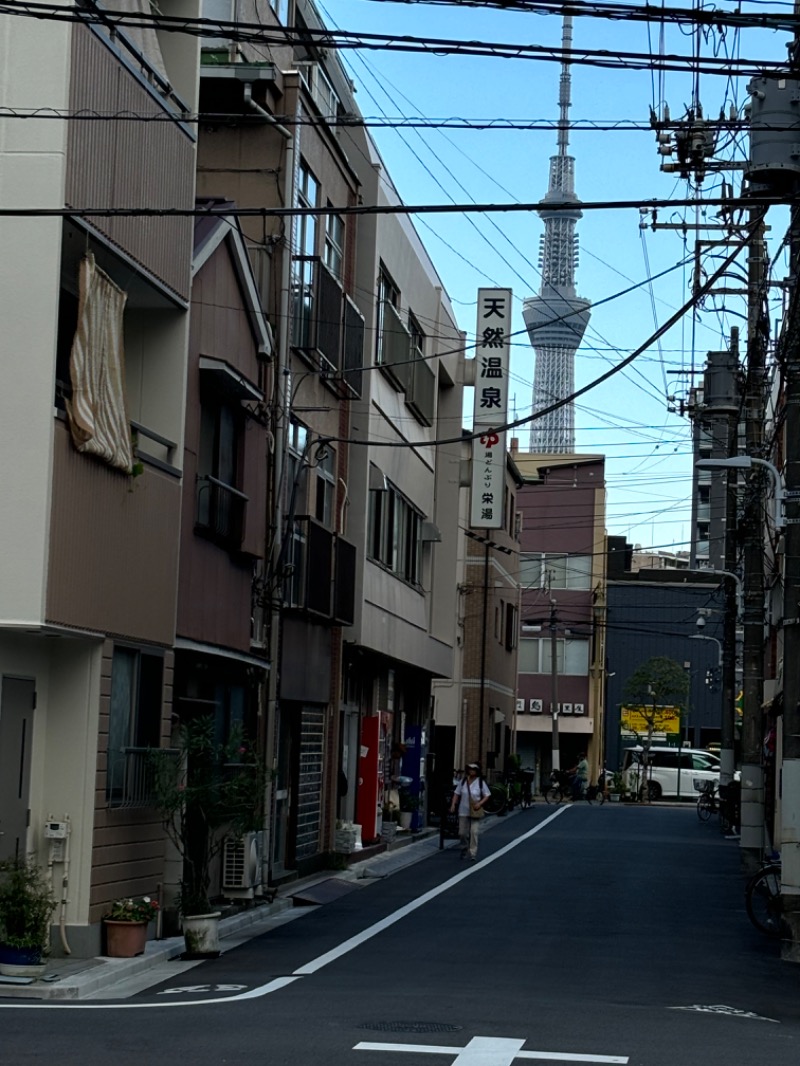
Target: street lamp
x=736, y=578
x=702, y=636
x=746, y=462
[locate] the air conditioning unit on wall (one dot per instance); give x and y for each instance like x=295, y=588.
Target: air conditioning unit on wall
x=241, y=866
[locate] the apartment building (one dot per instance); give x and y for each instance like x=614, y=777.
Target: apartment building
x=95, y=311
x=562, y=578
x=475, y=711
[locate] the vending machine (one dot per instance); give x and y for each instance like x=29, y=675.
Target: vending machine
x=414, y=767
x=370, y=789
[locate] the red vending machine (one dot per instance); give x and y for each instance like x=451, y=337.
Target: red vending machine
x=370, y=786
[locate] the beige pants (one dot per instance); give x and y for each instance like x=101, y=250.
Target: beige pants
x=468, y=831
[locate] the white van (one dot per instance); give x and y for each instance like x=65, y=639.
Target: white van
x=665, y=765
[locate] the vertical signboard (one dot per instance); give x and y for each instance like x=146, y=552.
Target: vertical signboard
x=492, y=354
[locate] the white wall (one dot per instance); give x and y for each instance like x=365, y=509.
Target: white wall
x=34, y=68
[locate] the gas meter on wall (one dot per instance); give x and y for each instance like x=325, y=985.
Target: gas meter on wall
x=57, y=834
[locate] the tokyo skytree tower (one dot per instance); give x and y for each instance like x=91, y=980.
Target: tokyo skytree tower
x=557, y=318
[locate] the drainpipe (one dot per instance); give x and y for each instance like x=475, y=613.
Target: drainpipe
x=281, y=425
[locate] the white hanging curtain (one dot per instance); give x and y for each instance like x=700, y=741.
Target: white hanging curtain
x=98, y=414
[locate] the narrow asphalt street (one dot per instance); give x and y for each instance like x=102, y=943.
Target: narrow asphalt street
x=613, y=934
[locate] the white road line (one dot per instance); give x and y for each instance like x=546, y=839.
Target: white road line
x=316, y=964
x=491, y=1051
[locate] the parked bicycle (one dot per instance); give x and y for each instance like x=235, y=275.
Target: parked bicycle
x=763, y=899
x=512, y=790
x=560, y=788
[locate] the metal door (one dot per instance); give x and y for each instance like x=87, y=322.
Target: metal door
x=17, y=701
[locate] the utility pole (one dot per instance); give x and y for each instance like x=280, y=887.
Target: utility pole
x=790, y=769
x=721, y=403
x=556, y=757
x=752, y=827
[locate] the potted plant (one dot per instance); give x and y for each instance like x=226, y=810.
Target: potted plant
x=126, y=924
x=390, y=821
x=26, y=906
x=617, y=789
x=206, y=791
x=409, y=805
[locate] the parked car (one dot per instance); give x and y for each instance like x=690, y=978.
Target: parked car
x=666, y=765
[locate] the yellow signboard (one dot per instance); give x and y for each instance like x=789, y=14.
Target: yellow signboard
x=661, y=720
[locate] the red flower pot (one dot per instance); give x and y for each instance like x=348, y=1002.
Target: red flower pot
x=125, y=939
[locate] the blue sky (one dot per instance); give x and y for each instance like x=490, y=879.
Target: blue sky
x=648, y=447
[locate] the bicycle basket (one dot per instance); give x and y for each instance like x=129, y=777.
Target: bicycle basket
x=703, y=786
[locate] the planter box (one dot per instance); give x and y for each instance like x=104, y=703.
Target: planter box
x=346, y=839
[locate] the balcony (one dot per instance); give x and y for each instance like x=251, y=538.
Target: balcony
x=352, y=349
x=321, y=573
x=421, y=391
x=317, y=314
x=220, y=511
x=394, y=347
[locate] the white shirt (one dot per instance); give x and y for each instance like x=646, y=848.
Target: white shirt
x=475, y=789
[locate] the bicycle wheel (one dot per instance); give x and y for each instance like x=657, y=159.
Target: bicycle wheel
x=763, y=900
x=705, y=807
x=497, y=801
x=553, y=794
x=596, y=795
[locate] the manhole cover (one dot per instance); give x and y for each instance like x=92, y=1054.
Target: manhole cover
x=411, y=1027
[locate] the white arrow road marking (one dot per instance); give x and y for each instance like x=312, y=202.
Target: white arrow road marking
x=491, y=1051
x=730, y=1012
x=321, y=961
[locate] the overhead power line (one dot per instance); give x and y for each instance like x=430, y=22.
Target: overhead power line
x=644, y=205
x=303, y=36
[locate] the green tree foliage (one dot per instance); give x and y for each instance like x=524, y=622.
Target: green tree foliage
x=206, y=791
x=660, y=681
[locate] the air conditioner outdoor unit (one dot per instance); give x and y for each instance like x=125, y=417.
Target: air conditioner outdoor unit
x=536, y=706
x=241, y=866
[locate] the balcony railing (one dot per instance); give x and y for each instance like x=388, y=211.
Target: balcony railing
x=317, y=314
x=353, y=348
x=421, y=391
x=220, y=511
x=394, y=347
x=321, y=573
x=130, y=776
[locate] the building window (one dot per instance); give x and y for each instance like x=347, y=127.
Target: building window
x=326, y=488
x=394, y=533
x=388, y=294
x=305, y=247
x=511, y=627
x=220, y=504
x=334, y=245
x=134, y=724
x=535, y=657
x=294, y=489
x=542, y=570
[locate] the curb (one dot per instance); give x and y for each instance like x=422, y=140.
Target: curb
x=103, y=973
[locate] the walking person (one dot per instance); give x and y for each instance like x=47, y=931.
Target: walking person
x=469, y=797
x=580, y=777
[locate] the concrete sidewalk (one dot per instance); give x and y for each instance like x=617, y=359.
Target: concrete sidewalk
x=67, y=978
